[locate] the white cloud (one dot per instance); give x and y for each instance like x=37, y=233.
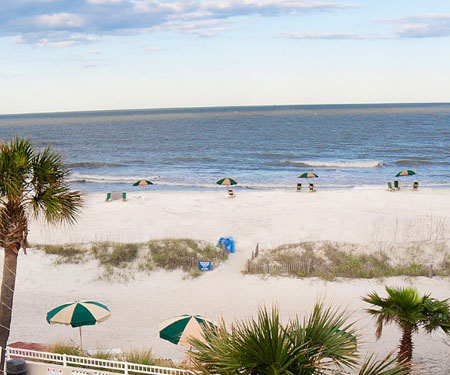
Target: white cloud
x=112, y=17
x=418, y=26
x=95, y=52
x=58, y=39
x=423, y=26
x=103, y=2
x=59, y=20
x=205, y=28
x=305, y=35
x=62, y=44
x=18, y=39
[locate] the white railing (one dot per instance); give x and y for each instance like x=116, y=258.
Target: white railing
x=94, y=363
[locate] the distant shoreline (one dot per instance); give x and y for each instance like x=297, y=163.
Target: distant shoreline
x=220, y=190
x=232, y=107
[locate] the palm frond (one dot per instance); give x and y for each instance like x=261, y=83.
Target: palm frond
x=15, y=168
x=386, y=366
x=436, y=314
x=52, y=197
x=329, y=337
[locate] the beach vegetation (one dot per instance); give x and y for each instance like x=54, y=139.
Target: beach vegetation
x=32, y=183
x=330, y=260
x=115, y=254
x=66, y=253
x=103, y=354
x=62, y=347
x=119, y=261
x=323, y=342
x=194, y=273
x=410, y=311
x=183, y=254
x=141, y=356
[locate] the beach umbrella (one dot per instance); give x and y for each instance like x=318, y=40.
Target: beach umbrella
x=143, y=183
x=226, y=181
x=405, y=172
x=307, y=175
x=178, y=330
x=78, y=314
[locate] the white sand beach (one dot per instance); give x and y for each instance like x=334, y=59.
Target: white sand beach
x=371, y=217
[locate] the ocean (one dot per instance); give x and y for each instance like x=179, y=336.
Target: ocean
x=348, y=146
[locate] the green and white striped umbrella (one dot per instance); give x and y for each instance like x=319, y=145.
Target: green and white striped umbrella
x=226, y=181
x=307, y=175
x=78, y=314
x=405, y=172
x=180, y=329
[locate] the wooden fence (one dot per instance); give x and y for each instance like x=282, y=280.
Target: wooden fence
x=301, y=267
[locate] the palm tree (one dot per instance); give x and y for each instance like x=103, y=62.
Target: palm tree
x=31, y=183
x=323, y=343
x=410, y=311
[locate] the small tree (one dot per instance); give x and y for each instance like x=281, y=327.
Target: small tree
x=31, y=183
x=410, y=312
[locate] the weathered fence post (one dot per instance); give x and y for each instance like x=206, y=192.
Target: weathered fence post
x=308, y=266
x=367, y=268
x=430, y=271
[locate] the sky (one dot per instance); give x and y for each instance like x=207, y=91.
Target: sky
x=79, y=55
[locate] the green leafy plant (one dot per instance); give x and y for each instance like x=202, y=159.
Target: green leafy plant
x=66, y=253
x=320, y=344
x=142, y=356
x=61, y=347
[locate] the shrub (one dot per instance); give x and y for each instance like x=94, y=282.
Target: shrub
x=67, y=253
x=116, y=255
x=60, y=347
x=142, y=356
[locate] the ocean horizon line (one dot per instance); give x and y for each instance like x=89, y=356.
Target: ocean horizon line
x=222, y=107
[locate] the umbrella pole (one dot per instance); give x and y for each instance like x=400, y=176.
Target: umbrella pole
x=81, y=338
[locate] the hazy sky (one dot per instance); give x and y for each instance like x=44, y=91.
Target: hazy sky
x=63, y=55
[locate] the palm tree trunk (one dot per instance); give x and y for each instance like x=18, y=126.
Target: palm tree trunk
x=406, y=346
x=7, y=296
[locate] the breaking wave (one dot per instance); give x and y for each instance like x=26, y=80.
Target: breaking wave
x=91, y=164
x=331, y=164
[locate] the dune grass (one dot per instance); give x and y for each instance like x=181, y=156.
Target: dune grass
x=329, y=261
x=61, y=347
x=183, y=254
x=141, y=356
x=122, y=260
x=66, y=253
x=115, y=254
